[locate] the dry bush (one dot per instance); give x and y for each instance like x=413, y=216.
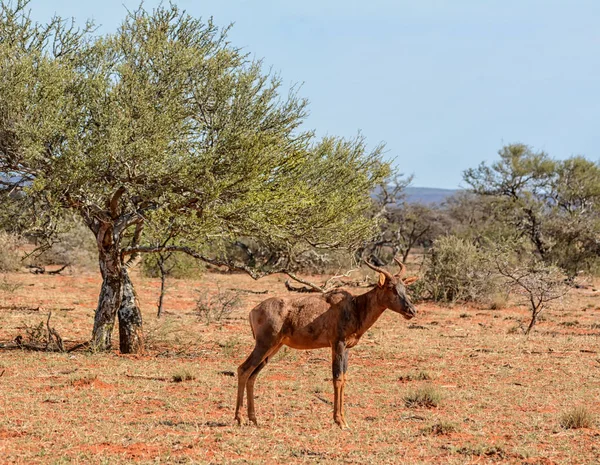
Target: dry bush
x=10, y=257
x=217, y=307
x=74, y=246
x=539, y=284
x=426, y=396
x=457, y=270
x=578, y=417
x=83, y=380
x=440, y=428
x=8, y=286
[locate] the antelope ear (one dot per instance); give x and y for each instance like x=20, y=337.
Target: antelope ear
x=381, y=280
x=409, y=281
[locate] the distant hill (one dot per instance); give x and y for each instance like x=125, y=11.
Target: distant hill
x=428, y=195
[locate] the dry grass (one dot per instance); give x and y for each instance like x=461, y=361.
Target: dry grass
x=578, y=417
x=182, y=376
x=503, y=394
x=426, y=396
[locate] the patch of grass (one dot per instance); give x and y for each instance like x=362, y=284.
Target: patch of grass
x=230, y=346
x=181, y=376
x=84, y=380
x=496, y=452
x=570, y=323
x=578, y=417
x=427, y=396
x=7, y=286
x=440, y=428
x=498, y=301
x=420, y=376
x=464, y=315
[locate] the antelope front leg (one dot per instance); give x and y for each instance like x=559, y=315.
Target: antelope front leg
x=342, y=392
x=339, y=354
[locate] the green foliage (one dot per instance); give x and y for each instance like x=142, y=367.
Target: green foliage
x=178, y=266
x=166, y=125
x=554, y=204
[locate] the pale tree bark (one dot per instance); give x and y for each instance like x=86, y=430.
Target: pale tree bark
x=111, y=292
x=131, y=337
x=117, y=296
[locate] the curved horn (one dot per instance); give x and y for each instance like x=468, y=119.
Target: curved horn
x=402, y=267
x=386, y=273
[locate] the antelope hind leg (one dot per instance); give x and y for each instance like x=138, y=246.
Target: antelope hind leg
x=250, y=384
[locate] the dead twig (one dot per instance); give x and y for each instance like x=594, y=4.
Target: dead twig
x=53, y=335
x=249, y=291
x=150, y=378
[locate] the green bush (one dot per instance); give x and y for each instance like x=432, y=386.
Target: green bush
x=457, y=270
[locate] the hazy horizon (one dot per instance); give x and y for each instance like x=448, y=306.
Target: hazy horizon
x=444, y=84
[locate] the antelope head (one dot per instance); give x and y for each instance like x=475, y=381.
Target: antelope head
x=393, y=288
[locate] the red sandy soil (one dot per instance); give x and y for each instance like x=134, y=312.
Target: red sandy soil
x=502, y=394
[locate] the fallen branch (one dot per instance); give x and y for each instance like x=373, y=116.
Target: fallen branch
x=291, y=288
x=35, y=269
x=150, y=378
x=62, y=268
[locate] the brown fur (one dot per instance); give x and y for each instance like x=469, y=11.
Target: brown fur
x=336, y=319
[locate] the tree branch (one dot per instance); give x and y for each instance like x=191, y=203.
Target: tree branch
x=114, y=202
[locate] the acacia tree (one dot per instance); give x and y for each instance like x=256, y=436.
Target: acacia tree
x=163, y=136
x=555, y=204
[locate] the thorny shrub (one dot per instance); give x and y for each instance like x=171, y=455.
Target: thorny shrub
x=217, y=307
x=10, y=258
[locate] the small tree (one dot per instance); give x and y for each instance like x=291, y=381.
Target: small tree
x=554, y=204
x=163, y=136
x=539, y=283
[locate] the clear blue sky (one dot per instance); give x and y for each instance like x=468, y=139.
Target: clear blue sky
x=444, y=83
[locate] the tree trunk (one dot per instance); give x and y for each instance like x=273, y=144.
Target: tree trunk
x=163, y=277
x=111, y=292
x=131, y=339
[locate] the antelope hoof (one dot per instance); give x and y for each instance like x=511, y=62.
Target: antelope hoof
x=253, y=420
x=238, y=418
x=340, y=423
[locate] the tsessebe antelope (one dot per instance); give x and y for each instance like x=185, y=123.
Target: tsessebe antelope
x=336, y=319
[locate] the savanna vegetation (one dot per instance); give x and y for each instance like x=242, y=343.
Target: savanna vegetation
x=159, y=174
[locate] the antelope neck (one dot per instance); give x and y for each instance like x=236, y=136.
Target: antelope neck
x=368, y=309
